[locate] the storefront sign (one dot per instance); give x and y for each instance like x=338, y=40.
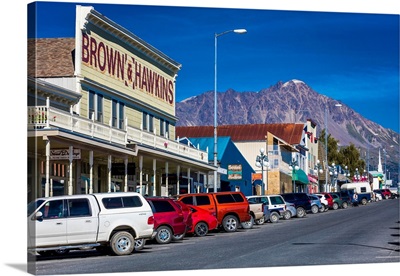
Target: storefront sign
x=130, y=70
x=235, y=172
x=63, y=154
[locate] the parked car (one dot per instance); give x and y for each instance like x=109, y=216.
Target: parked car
x=257, y=215
x=338, y=201
x=187, y=217
x=301, y=201
x=329, y=198
x=343, y=202
x=346, y=196
x=386, y=193
x=316, y=204
x=128, y=215
x=203, y=221
x=169, y=219
x=324, y=202
x=231, y=208
x=291, y=208
x=274, y=203
x=377, y=196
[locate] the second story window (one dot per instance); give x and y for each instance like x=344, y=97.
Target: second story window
x=148, y=121
x=117, y=111
x=95, y=106
x=164, y=127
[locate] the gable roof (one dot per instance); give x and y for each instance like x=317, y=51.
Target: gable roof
x=51, y=57
x=208, y=142
x=290, y=132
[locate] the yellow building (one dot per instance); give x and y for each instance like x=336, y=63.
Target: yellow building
x=101, y=115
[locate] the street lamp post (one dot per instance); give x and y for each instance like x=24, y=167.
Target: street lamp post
x=334, y=175
x=261, y=162
x=317, y=170
x=294, y=167
x=326, y=145
x=238, y=31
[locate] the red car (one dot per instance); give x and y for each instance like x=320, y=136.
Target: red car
x=203, y=221
x=169, y=219
x=386, y=193
x=329, y=198
x=187, y=214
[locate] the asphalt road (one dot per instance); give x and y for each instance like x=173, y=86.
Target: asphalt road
x=357, y=235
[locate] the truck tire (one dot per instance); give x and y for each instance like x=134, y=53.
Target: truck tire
x=139, y=244
x=230, y=223
x=274, y=217
x=287, y=215
x=248, y=224
x=260, y=220
x=201, y=229
x=364, y=201
x=122, y=243
x=345, y=205
x=164, y=234
x=314, y=209
x=301, y=212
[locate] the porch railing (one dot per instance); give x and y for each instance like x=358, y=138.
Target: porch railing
x=40, y=117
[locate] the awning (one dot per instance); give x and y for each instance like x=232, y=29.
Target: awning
x=312, y=179
x=300, y=176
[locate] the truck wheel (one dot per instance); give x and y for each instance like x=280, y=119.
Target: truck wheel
x=364, y=201
x=287, y=215
x=164, y=234
x=314, y=209
x=230, y=223
x=122, y=243
x=300, y=212
x=335, y=206
x=345, y=205
x=248, y=224
x=274, y=217
x=260, y=220
x=139, y=244
x=201, y=229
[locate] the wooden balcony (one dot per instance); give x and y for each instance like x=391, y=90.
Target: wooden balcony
x=40, y=117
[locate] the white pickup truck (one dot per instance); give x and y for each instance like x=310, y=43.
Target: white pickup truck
x=103, y=220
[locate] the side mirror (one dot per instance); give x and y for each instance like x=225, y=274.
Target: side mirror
x=39, y=216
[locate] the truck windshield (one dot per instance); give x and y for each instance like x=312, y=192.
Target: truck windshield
x=34, y=205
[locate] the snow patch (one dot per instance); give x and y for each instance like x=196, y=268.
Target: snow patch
x=294, y=81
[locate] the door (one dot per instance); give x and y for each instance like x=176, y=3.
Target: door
x=51, y=228
x=82, y=222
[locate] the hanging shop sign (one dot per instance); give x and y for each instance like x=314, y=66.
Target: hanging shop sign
x=63, y=154
x=235, y=172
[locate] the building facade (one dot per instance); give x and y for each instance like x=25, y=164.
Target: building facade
x=101, y=115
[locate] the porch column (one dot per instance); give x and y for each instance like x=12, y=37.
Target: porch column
x=91, y=172
x=109, y=173
x=188, y=181
x=178, y=172
x=46, y=185
x=126, y=176
x=141, y=174
x=166, y=178
x=71, y=159
x=154, y=176
x=198, y=182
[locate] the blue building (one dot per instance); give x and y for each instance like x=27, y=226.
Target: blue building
x=238, y=170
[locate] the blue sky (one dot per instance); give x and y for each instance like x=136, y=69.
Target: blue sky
x=352, y=57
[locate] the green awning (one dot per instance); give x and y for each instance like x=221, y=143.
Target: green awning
x=300, y=176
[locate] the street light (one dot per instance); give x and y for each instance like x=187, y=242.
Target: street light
x=317, y=170
x=238, y=31
x=357, y=175
x=261, y=162
x=334, y=174
x=326, y=145
x=294, y=167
